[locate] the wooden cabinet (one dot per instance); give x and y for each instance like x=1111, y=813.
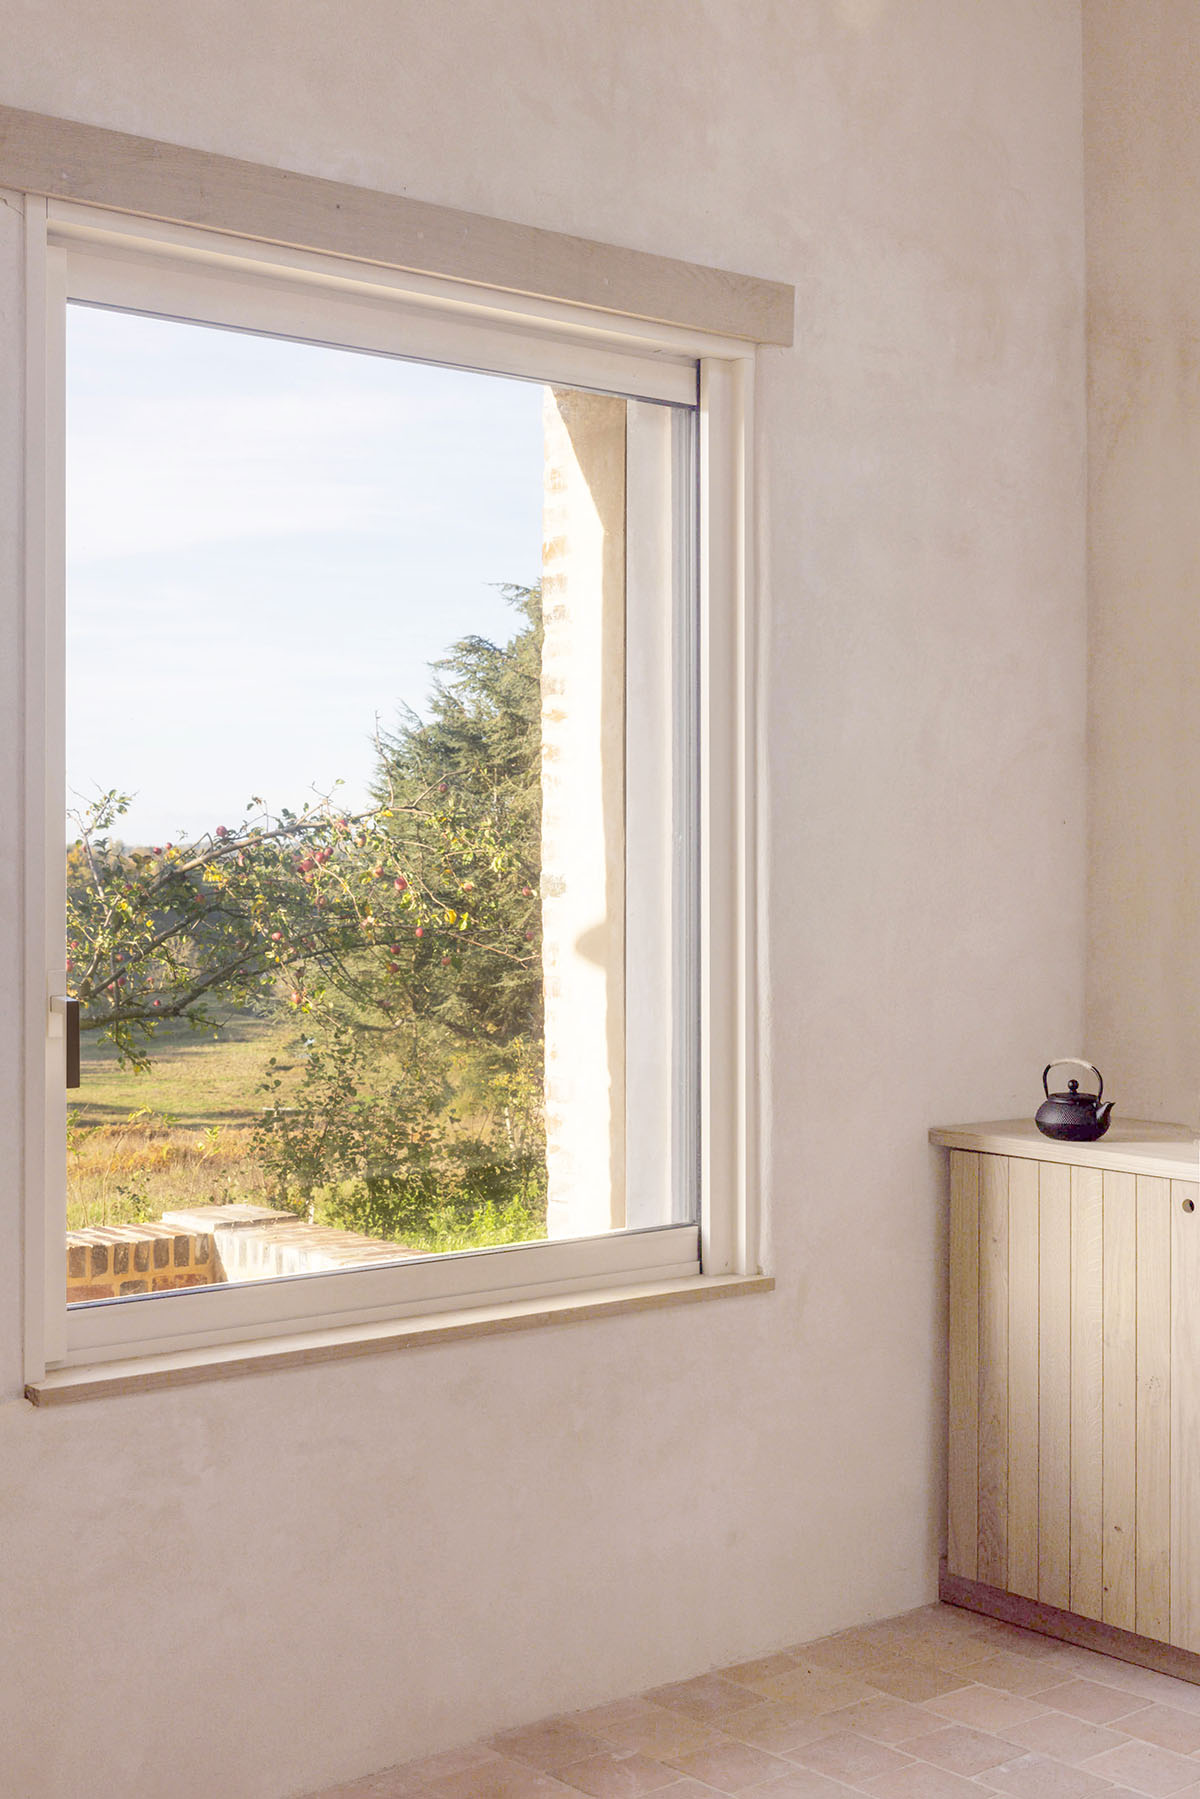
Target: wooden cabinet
x=1074, y=1376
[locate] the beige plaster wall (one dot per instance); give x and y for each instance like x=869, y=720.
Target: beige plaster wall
x=355, y=1563
x=1142, y=117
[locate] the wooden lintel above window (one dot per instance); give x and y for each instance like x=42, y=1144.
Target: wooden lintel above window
x=66, y=160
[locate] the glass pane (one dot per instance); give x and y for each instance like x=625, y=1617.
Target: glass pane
x=366, y=659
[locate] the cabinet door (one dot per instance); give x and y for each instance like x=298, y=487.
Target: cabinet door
x=1185, y=1415
x=1074, y=1453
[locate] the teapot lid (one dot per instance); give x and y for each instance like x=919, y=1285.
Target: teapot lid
x=1074, y=1096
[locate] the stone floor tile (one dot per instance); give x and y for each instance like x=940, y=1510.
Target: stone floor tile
x=450, y=1761
x=1039, y=1777
x=499, y=1779
x=778, y=1725
x=660, y=1733
x=818, y=1688
x=929, y=1628
x=845, y=1756
x=905, y=1678
x=707, y=1698
x=986, y=1708
x=936, y=1704
x=1019, y=1639
x=920, y=1780
x=1146, y=1768
x=887, y=1720
x=687, y=1788
x=960, y=1749
x=940, y=1623
x=1065, y=1739
x=617, y=1775
x=801, y=1783
x=1167, y=1726
x=746, y=1673
x=954, y=1656
x=1192, y=1792
x=1089, y=1664
x=731, y=1767
x=1162, y=1689
x=884, y=1633
x=368, y=1787
x=847, y=1653
x=1089, y=1699
x=1023, y=1674
x=548, y=1746
x=596, y=1720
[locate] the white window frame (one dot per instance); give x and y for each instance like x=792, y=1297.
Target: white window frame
x=108, y=256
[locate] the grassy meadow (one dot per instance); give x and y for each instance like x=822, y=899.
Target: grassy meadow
x=179, y=1133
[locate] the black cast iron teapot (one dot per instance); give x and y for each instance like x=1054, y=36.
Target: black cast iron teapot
x=1073, y=1117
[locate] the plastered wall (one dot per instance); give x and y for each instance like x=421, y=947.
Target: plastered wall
x=1143, y=258
x=306, y=1576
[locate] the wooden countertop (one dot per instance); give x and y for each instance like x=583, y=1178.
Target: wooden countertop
x=1131, y=1145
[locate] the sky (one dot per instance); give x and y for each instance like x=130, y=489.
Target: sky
x=267, y=545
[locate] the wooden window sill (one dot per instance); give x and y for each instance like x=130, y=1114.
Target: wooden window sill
x=145, y=1374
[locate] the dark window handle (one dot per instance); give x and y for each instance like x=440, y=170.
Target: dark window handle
x=67, y=1007
x=71, y=1025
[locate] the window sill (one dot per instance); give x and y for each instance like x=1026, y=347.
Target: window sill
x=145, y=1374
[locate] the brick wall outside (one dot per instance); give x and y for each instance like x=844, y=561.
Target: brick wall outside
x=203, y=1245
x=110, y=1261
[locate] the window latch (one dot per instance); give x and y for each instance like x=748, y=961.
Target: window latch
x=66, y=1007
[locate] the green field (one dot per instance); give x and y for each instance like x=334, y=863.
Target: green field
x=178, y=1133
x=196, y=1080
x=181, y=1134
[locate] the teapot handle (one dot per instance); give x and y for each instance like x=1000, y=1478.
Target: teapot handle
x=1061, y=1062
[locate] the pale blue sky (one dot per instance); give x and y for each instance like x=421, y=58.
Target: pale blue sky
x=268, y=543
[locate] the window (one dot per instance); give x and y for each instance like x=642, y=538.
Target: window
x=637, y=913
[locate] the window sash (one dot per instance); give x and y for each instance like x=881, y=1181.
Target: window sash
x=227, y=284
x=592, y=350
x=103, y=1330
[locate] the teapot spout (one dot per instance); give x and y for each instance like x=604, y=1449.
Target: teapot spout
x=1103, y=1116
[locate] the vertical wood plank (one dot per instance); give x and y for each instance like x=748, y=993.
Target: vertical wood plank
x=1023, y=1377
x=1054, y=1385
x=1120, y=1400
x=993, y=1370
x=1185, y=1416
x=1153, y=1541
x=1087, y=1391
x=964, y=1364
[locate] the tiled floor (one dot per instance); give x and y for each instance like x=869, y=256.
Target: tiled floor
x=938, y=1704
